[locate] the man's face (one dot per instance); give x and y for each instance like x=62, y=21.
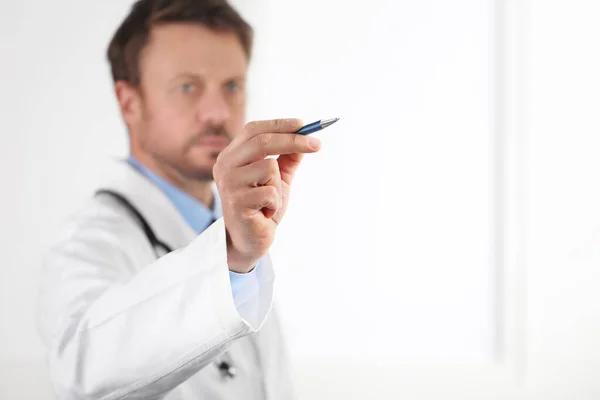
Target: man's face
x=192, y=97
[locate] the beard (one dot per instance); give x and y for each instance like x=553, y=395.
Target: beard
x=197, y=173
x=218, y=131
x=183, y=164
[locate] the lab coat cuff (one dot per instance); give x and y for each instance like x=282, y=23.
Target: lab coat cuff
x=248, y=297
x=243, y=284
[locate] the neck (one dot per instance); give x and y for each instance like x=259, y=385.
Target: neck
x=200, y=190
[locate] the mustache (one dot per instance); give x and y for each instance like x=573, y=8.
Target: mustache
x=216, y=131
x=212, y=131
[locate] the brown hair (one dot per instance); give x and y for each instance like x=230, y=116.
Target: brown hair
x=132, y=35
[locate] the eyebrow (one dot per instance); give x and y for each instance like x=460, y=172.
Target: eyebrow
x=186, y=75
x=194, y=76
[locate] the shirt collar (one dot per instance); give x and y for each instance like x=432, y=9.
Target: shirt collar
x=197, y=215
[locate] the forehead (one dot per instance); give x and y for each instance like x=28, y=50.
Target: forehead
x=193, y=49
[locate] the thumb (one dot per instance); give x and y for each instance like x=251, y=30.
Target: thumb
x=288, y=163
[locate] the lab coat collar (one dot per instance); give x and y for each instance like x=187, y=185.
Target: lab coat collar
x=197, y=215
x=160, y=213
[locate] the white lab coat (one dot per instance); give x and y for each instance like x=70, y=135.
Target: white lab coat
x=120, y=324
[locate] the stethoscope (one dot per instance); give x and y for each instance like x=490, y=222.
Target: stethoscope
x=160, y=249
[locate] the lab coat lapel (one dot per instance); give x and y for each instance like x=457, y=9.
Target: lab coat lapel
x=162, y=216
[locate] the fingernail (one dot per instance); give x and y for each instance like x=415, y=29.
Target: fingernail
x=314, y=143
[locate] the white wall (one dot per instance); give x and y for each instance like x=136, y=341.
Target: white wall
x=561, y=182
x=59, y=123
x=391, y=225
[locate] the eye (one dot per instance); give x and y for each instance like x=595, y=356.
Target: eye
x=232, y=86
x=187, y=87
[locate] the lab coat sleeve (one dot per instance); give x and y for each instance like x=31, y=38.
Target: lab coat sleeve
x=245, y=287
x=114, y=333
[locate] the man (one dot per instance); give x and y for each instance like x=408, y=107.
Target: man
x=161, y=287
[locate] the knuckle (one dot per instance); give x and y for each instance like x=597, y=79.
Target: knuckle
x=262, y=140
x=221, y=177
x=272, y=125
x=288, y=124
x=217, y=167
x=272, y=193
x=217, y=173
x=272, y=165
x=220, y=162
x=299, y=140
x=278, y=124
x=251, y=126
x=265, y=167
x=255, y=127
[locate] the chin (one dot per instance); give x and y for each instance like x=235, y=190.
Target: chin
x=203, y=172
x=198, y=166
x=199, y=174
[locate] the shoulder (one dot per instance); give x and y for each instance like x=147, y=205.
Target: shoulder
x=101, y=225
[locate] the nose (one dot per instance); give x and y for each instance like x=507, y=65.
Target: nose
x=213, y=108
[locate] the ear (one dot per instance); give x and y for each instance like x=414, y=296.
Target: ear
x=129, y=102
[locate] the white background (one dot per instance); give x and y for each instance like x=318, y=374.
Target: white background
x=388, y=242
x=429, y=311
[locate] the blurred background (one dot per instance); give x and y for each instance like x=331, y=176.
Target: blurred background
x=444, y=244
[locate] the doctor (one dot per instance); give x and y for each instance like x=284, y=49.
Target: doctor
x=161, y=286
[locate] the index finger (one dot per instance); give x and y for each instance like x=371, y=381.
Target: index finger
x=280, y=125
x=264, y=145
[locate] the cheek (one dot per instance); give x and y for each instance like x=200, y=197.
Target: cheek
x=167, y=131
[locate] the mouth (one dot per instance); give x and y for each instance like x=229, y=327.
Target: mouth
x=213, y=142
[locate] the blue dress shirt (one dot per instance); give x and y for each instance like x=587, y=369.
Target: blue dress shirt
x=199, y=217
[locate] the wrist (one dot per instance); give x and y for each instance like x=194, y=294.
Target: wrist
x=240, y=267
x=238, y=262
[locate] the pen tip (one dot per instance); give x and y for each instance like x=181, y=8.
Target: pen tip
x=326, y=122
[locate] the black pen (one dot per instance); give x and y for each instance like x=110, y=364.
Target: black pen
x=316, y=126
